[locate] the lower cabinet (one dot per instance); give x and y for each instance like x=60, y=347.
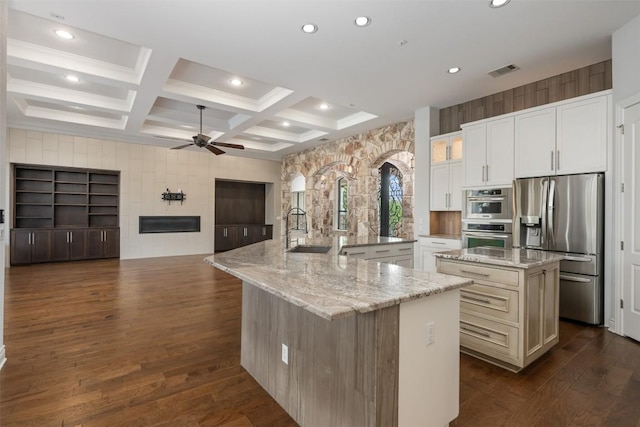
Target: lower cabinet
x=103, y=243
x=31, y=246
x=430, y=245
x=509, y=316
x=229, y=237
x=68, y=245
x=396, y=253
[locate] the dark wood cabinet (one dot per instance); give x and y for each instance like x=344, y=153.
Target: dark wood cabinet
x=66, y=205
x=68, y=245
x=103, y=243
x=30, y=246
x=234, y=236
x=225, y=237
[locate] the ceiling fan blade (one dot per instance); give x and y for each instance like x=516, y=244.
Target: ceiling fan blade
x=214, y=150
x=224, y=144
x=182, y=146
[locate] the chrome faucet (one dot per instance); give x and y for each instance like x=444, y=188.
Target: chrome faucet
x=296, y=211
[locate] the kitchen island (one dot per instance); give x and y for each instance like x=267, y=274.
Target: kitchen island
x=343, y=341
x=509, y=316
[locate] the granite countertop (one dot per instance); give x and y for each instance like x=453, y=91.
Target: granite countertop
x=330, y=285
x=516, y=258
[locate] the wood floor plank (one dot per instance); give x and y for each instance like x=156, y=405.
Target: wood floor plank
x=156, y=342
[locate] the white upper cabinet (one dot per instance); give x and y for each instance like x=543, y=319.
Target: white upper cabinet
x=535, y=143
x=446, y=172
x=568, y=138
x=488, y=153
x=581, y=136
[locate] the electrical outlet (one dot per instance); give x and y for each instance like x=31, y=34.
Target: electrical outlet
x=285, y=354
x=431, y=333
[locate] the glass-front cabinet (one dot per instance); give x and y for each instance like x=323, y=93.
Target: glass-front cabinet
x=446, y=147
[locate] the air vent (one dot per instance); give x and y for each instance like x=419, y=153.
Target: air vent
x=498, y=72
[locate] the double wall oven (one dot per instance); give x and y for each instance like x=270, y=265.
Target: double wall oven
x=487, y=218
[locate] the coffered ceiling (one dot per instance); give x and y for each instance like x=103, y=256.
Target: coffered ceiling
x=143, y=66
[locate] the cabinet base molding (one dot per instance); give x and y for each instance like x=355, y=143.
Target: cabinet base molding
x=492, y=360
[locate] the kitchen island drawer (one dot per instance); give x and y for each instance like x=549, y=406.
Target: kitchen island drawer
x=490, y=302
x=479, y=272
x=490, y=338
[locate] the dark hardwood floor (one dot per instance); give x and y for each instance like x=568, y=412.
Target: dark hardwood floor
x=156, y=342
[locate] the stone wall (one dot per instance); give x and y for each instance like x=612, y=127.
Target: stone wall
x=357, y=158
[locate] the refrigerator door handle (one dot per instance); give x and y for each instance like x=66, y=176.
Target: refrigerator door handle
x=550, y=210
x=574, y=279
x=543, y=211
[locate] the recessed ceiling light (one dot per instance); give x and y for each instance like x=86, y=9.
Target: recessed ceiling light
x=286, y=124
x=309, y=28
x=65, y=34
x=324, y=106
x=453, y=70
x=498, y=3
x=236, y=82
x=362, y=21
x=72, y=78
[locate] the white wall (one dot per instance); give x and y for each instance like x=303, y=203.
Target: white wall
x=3, y=143
x=145, y=173
x=626, y=60
x=426, y=124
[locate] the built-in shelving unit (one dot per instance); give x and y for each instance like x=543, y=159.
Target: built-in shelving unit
x=63, y=201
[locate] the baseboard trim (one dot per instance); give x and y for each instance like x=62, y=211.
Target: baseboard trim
x=3, y=358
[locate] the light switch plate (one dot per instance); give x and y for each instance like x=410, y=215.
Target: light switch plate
x=285, y=354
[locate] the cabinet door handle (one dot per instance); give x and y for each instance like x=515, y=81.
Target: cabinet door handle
x=476, y=299
x=245, y=231
x=551, y=159
x=71, y=237
x=482, y=173
x=475, y=272
x=29, y=238
x=558, y=160
x=487, y=180
x=67, y=237
x=448, y=152
x=264, y=231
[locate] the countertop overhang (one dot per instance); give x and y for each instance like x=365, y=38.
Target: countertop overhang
x=330, y=285
x=514, y=258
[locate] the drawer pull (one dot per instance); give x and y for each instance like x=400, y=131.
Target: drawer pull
x=354, y=253
x=437, y=243
x=405, y=249
x=382, y=251
x=475, y=272
x=484, y=334
x=482, y=300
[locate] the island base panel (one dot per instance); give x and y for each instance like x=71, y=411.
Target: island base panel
x=429, y=386
x=342, y=372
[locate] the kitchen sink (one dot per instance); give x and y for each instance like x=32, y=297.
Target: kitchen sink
x=310, y=249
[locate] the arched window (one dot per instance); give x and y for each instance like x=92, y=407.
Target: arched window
x=341, y=203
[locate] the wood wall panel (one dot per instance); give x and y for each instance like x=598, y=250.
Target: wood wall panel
x=583, y=81
x=239, y=203
x=340, y=373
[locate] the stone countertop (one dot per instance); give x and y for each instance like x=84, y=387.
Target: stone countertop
x=329, y=285
x=515, y=258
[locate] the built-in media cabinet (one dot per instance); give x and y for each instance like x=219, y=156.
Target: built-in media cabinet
x=64, y=214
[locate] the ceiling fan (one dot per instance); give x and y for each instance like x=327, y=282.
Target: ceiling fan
x=201, y=140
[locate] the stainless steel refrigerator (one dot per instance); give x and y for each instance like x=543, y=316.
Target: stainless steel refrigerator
x=564, y=214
